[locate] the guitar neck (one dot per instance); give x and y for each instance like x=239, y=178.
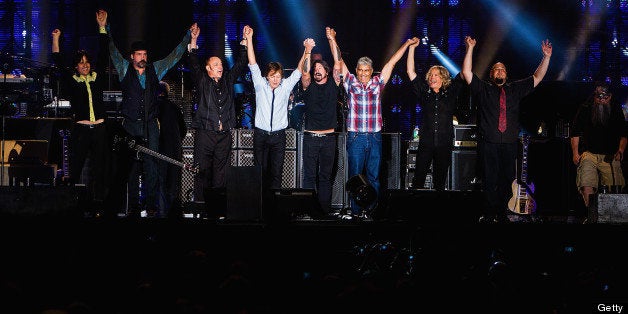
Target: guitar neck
x=155, y=154
x=524, y=160
x=66, y=152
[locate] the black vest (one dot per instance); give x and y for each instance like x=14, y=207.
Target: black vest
x=136, y=100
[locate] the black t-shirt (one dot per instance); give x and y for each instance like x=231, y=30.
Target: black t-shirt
x=599, y=139
x=437, y=111
x=320, y=105
x=487, y=96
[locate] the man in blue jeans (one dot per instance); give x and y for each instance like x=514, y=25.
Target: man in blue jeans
x=364, y=121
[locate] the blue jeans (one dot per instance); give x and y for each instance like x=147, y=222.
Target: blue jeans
x=364, y=153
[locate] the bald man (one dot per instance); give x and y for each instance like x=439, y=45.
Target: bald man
x=215, y=116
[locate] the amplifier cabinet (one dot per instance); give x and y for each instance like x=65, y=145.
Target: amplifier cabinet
x=410, y=160
x=463, y=174
x=289, y=174
x=390, y=172
x=465, y=135
x=245, y=139
x=187, y=178
x=409, y=175
x=291, y=139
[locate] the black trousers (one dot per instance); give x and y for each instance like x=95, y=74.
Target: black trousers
x=440, y=156
x=498, y=162
x=89, y=141
x=269, y=150
x=319, y=158
x=145, y=165
x=211, y=153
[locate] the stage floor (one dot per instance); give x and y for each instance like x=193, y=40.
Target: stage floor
x=422, y=249
x=130, y=265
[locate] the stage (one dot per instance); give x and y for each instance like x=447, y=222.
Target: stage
x=405, y=260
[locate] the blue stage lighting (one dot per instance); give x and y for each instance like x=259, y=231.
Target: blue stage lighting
x=445, y=61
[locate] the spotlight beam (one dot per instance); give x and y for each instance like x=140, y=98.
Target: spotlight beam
x=452, y=67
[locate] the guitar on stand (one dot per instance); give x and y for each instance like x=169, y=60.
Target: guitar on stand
x=63, y=175
x=522, y=201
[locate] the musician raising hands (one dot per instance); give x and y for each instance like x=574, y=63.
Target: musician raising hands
x=83, y=85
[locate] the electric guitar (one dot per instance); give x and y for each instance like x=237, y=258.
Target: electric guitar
x=137, y=147
x=63, y=174
x=522, y=201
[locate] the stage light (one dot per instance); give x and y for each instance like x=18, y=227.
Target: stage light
x=361, y=191
x=445, y=61
x=425, y=40
x=396, y=79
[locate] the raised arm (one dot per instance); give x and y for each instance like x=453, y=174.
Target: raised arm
x=239, y=67
x=119, y=62
x=248, y=35
x=103, y=40
x=195, y=31
x=197, y=71
x=538, y=75
x=467, y=72
x=306, y=62
x=56, y=53
x=335, y=50
x=410, y=62
x=390, y=65
x=164, y=65
x=56, y=33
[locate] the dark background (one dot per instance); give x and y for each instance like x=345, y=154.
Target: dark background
x=375, y=29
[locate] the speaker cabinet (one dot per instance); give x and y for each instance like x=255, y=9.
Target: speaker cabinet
x=390, y=173
x=243, y=138
x=339, y=195
x=187, y=178
x=288, y=203
x=244, y=193
x=410, y=175
x=188, y=140
x=289, y=173
x=243, y=158
x=463, y=174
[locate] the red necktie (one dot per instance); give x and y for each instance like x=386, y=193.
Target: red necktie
x=502, y=111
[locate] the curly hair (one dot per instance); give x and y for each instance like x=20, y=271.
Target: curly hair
x=442, y=72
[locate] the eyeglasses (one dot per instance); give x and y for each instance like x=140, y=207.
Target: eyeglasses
x=603, y=95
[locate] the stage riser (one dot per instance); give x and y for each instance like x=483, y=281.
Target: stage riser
x=430, y=206
x=43, y=201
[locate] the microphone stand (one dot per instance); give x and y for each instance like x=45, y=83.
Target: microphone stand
x=2, y=104
x=343, y=131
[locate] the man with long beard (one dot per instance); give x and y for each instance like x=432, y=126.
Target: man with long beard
x=598, y=142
